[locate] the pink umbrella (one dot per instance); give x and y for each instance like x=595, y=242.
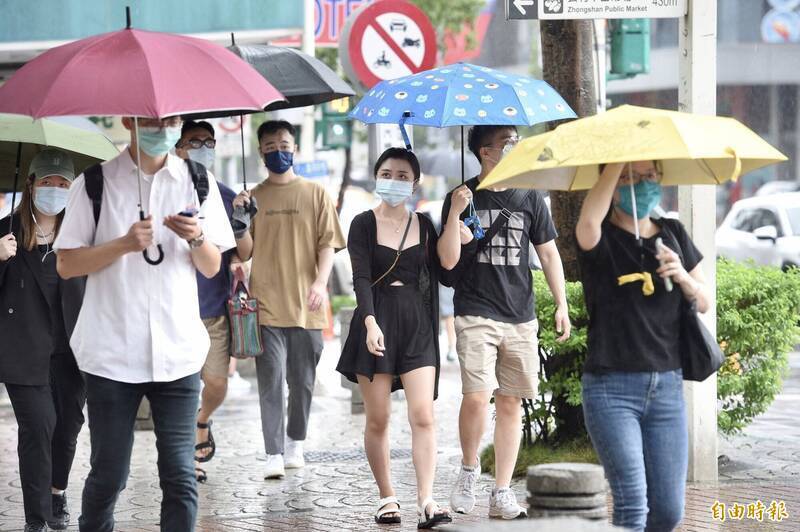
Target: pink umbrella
x=136, y=73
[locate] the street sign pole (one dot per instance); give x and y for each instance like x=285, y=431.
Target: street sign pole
x=697, y=91
x=307, y=134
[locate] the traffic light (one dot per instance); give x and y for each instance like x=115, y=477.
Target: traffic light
x=337, y=129
x=336, y=132
x=630, y=47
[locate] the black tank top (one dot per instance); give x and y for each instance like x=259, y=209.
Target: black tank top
x=412, y=259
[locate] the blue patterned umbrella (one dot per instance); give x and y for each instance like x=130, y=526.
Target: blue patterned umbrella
x=462, y=95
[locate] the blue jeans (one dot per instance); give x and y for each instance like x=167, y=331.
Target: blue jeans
x=637, y=422
x=112, y=409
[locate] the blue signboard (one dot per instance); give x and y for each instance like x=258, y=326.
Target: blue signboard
x=58, y=20
x=313, y=169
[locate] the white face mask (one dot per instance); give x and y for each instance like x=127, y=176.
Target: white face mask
x=394, y=192
x=203, y=155
x=50, y=200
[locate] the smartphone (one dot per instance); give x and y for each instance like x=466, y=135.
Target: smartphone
x=189, y=212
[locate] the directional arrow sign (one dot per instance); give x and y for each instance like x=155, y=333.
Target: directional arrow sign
x=591, y=9
x=521, y=5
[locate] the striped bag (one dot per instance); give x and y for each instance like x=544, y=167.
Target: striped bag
x=245, y=329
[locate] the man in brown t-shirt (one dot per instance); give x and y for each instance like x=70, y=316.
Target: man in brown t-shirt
x=294, y=236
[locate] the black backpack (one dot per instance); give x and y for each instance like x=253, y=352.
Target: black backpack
x=94, y=184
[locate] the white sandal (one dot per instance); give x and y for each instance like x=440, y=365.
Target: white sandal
x=435, y=518
x=380, y=515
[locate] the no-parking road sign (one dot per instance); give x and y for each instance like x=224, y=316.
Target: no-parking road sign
x=386, y=40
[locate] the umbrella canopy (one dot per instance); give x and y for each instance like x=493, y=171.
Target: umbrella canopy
x=302, y=79
x=136, y=73
x=447, y=163
x=78, y=136
x=462, y=95
x=693, y=150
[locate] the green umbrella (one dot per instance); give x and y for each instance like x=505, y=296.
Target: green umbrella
x=21, y=138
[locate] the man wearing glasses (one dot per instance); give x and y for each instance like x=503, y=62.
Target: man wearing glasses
x=496, y=324
x=139, y=332
x=197, y=143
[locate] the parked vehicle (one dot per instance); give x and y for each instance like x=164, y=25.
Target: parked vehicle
x=764, y=229
x=778, y=187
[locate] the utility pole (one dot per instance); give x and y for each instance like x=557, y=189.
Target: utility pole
x=568, y=65
x=307, y=136
x=697, y=93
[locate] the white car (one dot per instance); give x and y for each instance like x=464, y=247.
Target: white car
x=764, y=229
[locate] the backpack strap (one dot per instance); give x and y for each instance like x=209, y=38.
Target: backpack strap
x=199, y=179
x=93, y=177
x=518, y=197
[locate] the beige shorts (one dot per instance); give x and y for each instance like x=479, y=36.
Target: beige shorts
x=219, y=354
x=498, y=357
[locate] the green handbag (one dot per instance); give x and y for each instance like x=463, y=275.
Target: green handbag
x=245, y=329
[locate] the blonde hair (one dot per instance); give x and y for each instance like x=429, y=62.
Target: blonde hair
x=27, y=224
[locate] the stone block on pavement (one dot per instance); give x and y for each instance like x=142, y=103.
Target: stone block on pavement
x=566, y=479
x=559, y=524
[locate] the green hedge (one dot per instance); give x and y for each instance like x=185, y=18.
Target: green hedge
x=758, y=312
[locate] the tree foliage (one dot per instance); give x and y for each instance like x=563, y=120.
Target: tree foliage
x=451, y=16
x=758, y=312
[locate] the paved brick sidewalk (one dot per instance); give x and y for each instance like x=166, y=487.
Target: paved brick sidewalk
x=336, y=491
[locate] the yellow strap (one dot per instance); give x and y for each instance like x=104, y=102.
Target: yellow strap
x=648, y=288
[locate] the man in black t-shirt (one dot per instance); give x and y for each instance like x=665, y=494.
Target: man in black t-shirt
x=496, y=324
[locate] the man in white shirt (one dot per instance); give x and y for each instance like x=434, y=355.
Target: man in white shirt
x=139, y=333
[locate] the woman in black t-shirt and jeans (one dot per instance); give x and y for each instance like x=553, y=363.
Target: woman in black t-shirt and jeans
x=632, y=381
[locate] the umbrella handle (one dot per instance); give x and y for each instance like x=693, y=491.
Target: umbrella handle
x=154, y=262
x=147, y=259
x=737, y=165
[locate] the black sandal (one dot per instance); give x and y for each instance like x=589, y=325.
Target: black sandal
x=436, y=517
x=388, y=516
x=208, y=444
x=200, y=475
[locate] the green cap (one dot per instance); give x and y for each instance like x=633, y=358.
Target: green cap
x=52, y=161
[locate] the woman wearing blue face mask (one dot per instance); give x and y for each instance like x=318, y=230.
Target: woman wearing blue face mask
x=637, y=272
x=38, y=313
x=393, y=338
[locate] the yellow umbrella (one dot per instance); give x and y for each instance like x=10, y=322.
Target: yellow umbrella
x=693, y=150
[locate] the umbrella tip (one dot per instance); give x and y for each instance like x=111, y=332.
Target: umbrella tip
x=233, y=40
x=127, y=17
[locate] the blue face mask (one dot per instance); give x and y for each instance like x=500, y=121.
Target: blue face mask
x=279, y=162
x=50, y=200
x=203, y=155
x=156, y=141
x=648, y=196
x=394, y=192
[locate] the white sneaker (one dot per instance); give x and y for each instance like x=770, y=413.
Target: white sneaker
x=503, y=504
x=237, y=384
x=462, y=498
x=274, y=467
x=293, y=454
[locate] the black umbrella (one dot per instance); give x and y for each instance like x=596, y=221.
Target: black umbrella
x=302, y=79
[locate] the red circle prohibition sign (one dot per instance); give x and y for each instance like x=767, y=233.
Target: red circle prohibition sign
x=368, y=19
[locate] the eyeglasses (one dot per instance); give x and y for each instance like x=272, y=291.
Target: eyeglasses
x=196, y=144
x=509, y=143
x=653, y=176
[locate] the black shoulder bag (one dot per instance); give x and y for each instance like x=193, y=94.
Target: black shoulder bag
x=701, y=355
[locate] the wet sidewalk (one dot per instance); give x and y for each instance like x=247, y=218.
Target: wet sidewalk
x=335, y=491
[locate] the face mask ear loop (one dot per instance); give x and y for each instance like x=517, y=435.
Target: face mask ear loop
x=49, y=250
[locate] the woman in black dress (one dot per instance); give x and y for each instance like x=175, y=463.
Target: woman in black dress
x=38, y=311
x=393, y=338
